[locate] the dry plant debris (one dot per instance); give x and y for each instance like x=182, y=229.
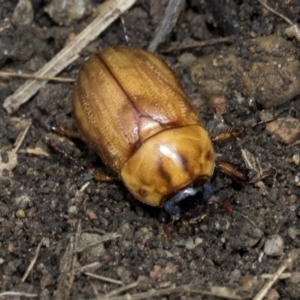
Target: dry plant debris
x=12, y=157
x=108, y=13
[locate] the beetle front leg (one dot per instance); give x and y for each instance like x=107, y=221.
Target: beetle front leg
x=231, y=171
x=100, y=176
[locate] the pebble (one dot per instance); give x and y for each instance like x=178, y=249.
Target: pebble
x=20, y=213
x=295, y=277
x=292, y=232
x=274, y=245
x=296, y=159
x=22, y=200
x=272, y=295
x=64, y=12
x=23, y=13
x=285, y=129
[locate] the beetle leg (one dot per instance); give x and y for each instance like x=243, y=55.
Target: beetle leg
x=65, y=132
x=121, y=16
x=59, y=130
x=167, y=231
x=231, y=171
x=227, y=206
x=100, y=176
x=167, y=225
x=234, y=134
x=94, y=174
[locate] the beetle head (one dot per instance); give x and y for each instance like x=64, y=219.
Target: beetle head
x=190, y=203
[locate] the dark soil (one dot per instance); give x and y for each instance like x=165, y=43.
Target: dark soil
x=40, y=198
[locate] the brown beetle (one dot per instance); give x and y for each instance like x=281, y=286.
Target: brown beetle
x=133, y=111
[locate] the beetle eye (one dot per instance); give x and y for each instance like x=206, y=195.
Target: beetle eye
x=190, y=203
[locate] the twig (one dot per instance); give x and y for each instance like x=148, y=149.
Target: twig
x=119, y=291
x=95, y=265
x=67, y=267
x=20, y=294
x=5, y=27
x=32, y=263
x=171, y=15
x=291, y=32
x=275, y=12
x=12, y=154
x=246, y=218
x=103, y=278
x=21, y=138
x=105, y=238
x=217, y=292
x=282, y=276
x=179, y=47
x=68, y=54
x=33, y=76
x=262, y=293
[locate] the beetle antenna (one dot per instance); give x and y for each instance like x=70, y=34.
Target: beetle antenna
x=67, y=155
x=121, y=16
x=246, y=218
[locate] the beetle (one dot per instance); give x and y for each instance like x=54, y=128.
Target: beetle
x=132, y=109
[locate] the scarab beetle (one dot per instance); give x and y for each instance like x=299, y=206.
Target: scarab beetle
x=133, y=111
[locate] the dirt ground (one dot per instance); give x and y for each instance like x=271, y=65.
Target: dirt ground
x=45, y=198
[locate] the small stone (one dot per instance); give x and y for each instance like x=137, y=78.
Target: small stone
x=274, y=245
x=296, y=159
x=91, y=214
x=20, y=213
x=127, y=231
x=72, y=210
x=286, y=129
x=292, y=199
x=295, y=278
x=187, y=59
x=10, y=247
x=292, y=232
x=22, y=200
x=23, y=13
x=198, y=241
x=293, y=32
x=294, y=254
x=64, y=12
x=248, y=283
x=46, y=281
x=272, y=295
x=165, y=284
x=189, y=245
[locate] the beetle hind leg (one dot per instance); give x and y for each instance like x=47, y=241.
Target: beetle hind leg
x=90, y=173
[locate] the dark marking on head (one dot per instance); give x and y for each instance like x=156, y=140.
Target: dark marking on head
x=164, y=174
x=209, y=155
